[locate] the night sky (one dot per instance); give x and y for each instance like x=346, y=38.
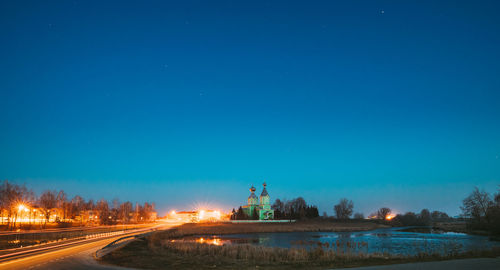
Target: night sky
x=186, y=103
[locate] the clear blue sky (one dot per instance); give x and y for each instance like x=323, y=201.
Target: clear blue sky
x=388, y=103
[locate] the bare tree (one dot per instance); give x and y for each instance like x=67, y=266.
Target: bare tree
x=9, y=195
x=497, y=197
x=89, y=211
x=296, y=205
x=145, y=212
x=104, y=213
x=278, y=205
x=126, y=209
x=12, y=197
x=47, y=202
x=343, y=210
x=76, y=206
x=3, y=201
x=425, y=217
x=476, y=205
x=61, y=204
x=383, y=213
x=439, y=216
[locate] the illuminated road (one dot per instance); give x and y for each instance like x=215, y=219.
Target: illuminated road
x=74, y=257
x=67, y=229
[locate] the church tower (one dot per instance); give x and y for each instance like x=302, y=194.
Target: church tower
x=264, y=198
x=265, y=211
x=252, y=199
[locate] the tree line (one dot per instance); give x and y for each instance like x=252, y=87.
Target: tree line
x=344, y=210
x=482, y=211
x=294, y=209
x=21, y=206
x=424, y=218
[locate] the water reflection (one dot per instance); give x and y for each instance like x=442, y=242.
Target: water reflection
x=214, y=240
x=390, y=240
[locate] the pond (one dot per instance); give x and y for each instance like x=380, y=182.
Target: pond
x=397, y=241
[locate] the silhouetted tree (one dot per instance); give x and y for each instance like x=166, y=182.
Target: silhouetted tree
x=61, y=205
x=312, y=211
x=424, y=217
x=476, y=205
x=105, y=217
x=383, y=213
x=233, y=214
x=47, y=202
x=294, y=209
x=497, y=197
x=278, y=205
x=125, y=211
x=482, y=212
x=279, y=209
x=240, y=215
x=439, y=216
x=343, y=210
x=408, y=219
x=255, y=214
x=9, y=195
x=76, y=206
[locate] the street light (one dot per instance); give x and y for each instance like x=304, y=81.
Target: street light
x=22, y=207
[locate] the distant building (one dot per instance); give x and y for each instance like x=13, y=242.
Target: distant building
x=261, y=207
x=196, y=216
x=184, y=216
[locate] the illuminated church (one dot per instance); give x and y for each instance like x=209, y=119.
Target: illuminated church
x=262, y=207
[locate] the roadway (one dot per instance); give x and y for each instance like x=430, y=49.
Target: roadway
x=78, y=256
x=58, y=230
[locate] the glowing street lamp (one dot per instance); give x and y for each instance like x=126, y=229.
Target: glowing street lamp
x=22, y=207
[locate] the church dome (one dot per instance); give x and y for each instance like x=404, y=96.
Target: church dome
x=264, y=191
x=252, y=199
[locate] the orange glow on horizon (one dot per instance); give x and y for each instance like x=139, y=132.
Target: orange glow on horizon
x=390, y=216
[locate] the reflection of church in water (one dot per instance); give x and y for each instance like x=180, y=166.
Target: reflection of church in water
x=261, y=207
